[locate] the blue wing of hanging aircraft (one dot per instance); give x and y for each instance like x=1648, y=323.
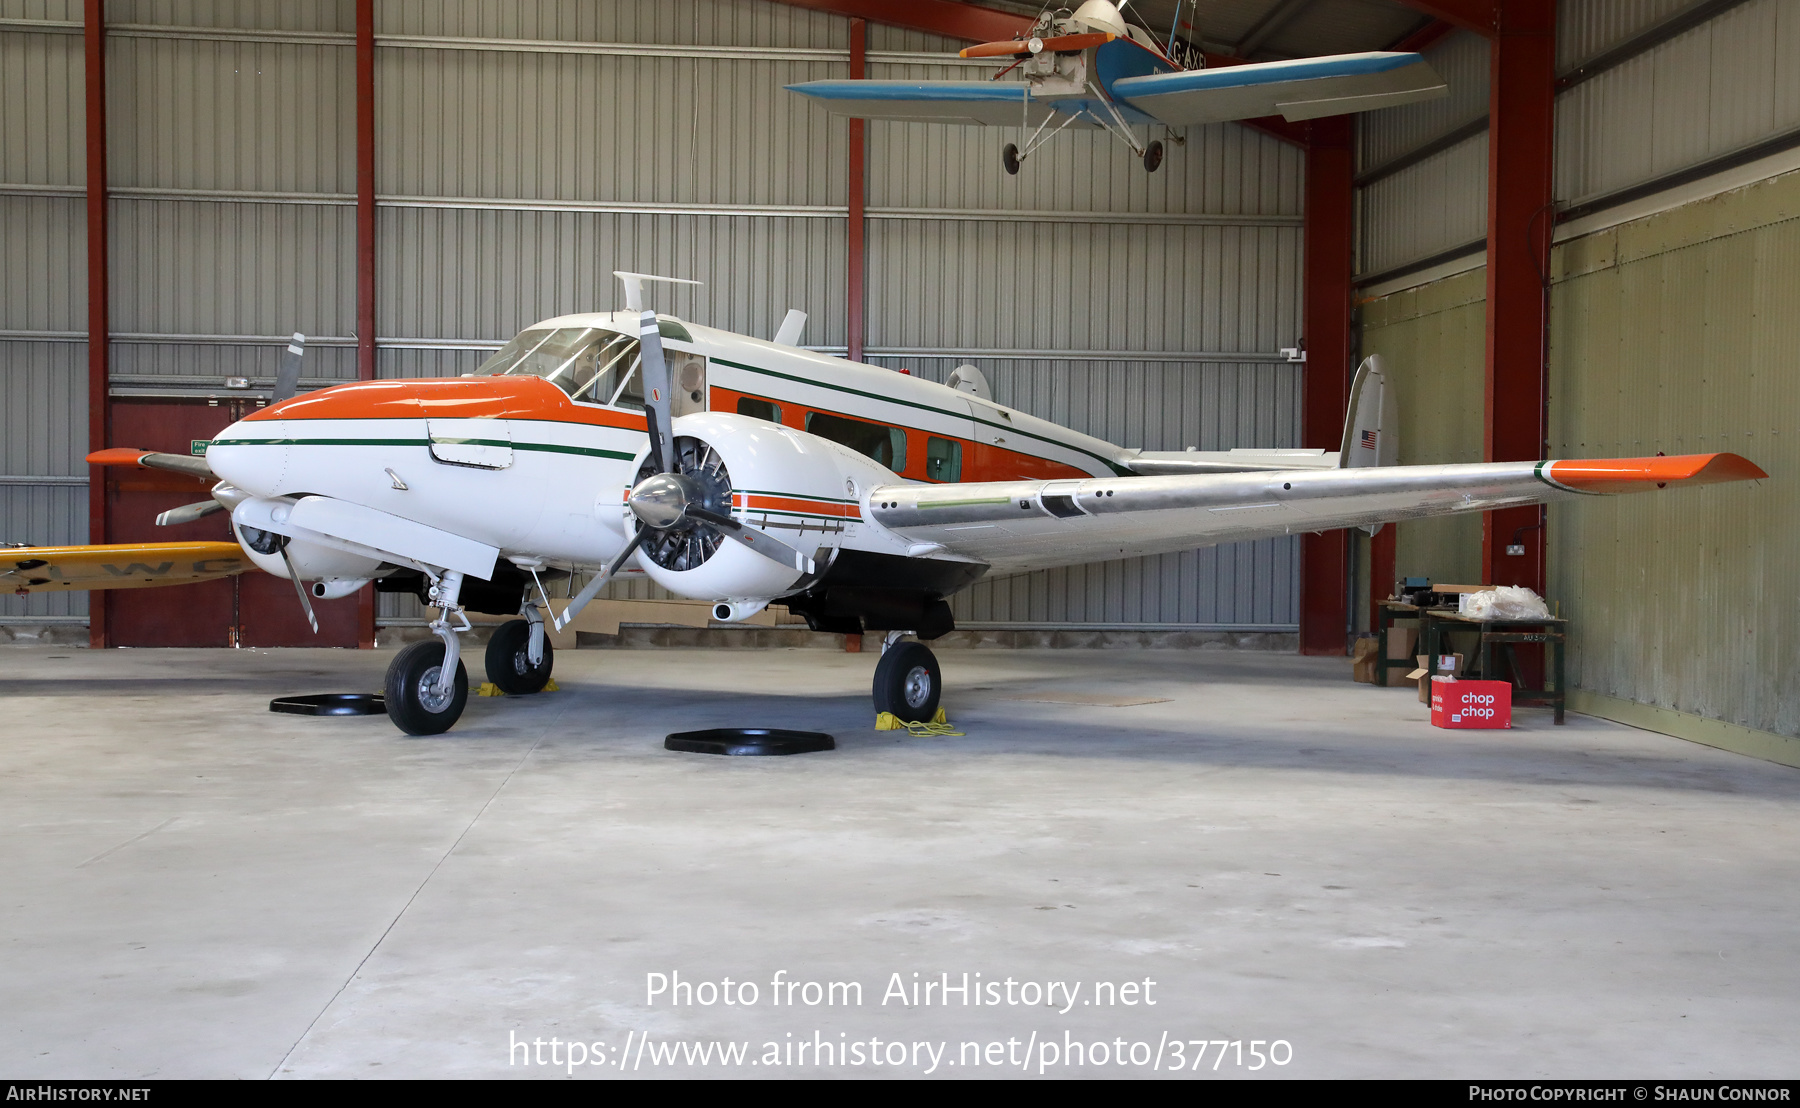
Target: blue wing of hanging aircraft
x=1305, y=88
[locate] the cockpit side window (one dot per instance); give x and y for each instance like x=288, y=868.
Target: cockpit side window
x=592, y=365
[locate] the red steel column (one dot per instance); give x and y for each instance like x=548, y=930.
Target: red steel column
x=857, y=266
x=1325, y=389
x=99, y=324
x=1521, y=143
x=365, y=246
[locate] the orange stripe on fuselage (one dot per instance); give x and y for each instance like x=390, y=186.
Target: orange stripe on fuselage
x=518, y=397
x=1626, y=474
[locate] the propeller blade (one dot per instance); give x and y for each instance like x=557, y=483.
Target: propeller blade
x=656, y=393
x=300, y=590
x=188, y=513
x=287, y=378
x=756, y=539
x=599, y=582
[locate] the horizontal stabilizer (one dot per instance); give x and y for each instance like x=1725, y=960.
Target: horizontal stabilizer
x=1304, y=88
x=1163, y=463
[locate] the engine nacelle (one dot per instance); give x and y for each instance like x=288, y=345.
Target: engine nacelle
x=340, y=573
x=802, y=489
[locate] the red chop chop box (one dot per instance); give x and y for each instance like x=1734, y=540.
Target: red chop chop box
x=1470, y=703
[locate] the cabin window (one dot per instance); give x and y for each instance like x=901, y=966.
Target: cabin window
x=590, y=364
x=885, y=445
x=943, y=459
x=761, y=409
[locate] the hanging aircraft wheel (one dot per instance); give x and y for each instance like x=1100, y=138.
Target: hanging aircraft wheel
x=509, y=660
x=1009, y=158
x=908, y=682
x=413, y=702
x=1153, y=155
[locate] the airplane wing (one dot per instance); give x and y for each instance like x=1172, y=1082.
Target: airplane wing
x=1024, y=525
x=131, y=565
x=1305, y=88
x=193, y=466
x=989, y=103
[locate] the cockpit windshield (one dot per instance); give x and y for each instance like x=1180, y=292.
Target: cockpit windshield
x=591, y=364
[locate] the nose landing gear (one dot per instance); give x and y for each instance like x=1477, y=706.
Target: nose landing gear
x=427, y=686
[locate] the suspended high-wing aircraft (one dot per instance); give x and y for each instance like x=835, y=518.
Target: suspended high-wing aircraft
x=748, y=472
x=1090, y=68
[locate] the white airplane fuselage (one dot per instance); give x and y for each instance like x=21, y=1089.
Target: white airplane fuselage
x=516, y=464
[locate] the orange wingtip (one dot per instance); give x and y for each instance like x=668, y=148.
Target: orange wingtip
x=116, y=456
x=1631, y=474
x=1019, y=46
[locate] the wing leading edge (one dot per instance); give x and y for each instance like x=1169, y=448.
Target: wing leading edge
x=986, y=103
x=1025, y=525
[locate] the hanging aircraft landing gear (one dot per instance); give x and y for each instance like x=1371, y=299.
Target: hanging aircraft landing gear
x=908, y=682
x=1009, y=158
x=414, y=701
x=426, y=685
x=1153, y=156
x=509, y=652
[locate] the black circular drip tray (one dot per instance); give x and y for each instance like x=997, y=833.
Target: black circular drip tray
x=749, y=741
x=331, y=704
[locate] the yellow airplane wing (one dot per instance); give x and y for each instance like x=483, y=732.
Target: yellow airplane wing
x=130, y=565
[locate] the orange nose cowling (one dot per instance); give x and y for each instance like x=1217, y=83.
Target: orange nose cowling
x=442, y=397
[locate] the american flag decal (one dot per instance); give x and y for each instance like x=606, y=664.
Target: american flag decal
x=1368, y=440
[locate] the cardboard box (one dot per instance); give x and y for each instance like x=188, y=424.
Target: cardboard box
x=1460, y=704
x=1362, y=660
x=1402, y=641
x=1450, y=664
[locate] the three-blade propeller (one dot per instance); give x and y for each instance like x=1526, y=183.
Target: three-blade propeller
x=666, y=499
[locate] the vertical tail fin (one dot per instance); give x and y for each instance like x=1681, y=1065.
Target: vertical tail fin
x=1372, y=425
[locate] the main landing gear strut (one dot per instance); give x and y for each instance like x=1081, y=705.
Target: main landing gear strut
x=908, y=682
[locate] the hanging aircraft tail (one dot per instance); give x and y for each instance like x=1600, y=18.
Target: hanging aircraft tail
x=1371, y=438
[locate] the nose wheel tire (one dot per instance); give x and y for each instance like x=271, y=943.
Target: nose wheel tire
x=509, y=660
x=1153, y=155
x=908, y=683
x=413, y=702
x=1009, y=158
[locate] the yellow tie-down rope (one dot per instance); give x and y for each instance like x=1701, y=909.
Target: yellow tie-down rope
x=938, y=728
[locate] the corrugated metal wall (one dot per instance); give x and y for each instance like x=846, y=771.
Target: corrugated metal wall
x=1438, y=203
x=43, y=384
x=1689, y=601
x=1721, y=86
x=515, y=175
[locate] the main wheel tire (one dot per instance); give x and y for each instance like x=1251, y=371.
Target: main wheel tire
x=509, y=660
x=1009, y=158
x=411, y=702
x=908, y=683
x=1153, y=156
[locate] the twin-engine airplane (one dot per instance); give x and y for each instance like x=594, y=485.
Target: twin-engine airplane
x=748, y=472
x=1090, y=68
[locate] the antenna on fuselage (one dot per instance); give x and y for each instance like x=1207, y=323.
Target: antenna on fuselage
x=634, y=286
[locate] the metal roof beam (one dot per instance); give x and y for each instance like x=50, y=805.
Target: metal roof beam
x=1277, y=17
x=1481, y=16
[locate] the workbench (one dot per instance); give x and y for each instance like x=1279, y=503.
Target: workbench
x=1436, y=625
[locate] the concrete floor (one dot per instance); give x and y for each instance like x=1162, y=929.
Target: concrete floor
x=194, y=887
